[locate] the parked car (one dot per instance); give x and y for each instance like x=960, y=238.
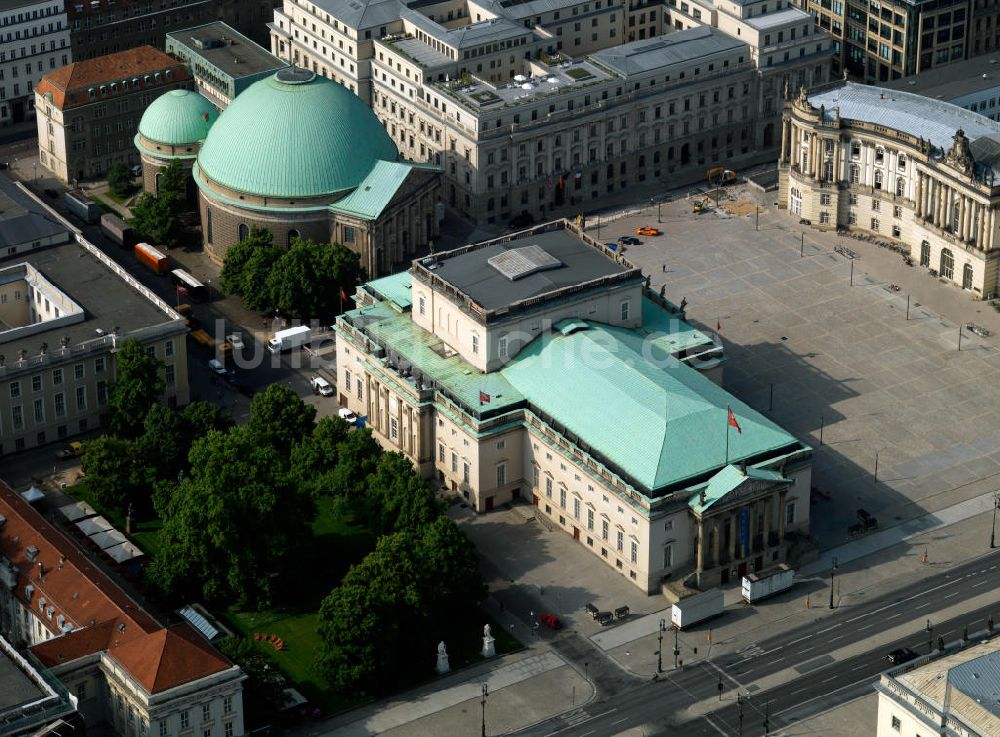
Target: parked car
x=321, y=386
x=235, y=340
x=137, y=170
x=629, y=240
x=645, y=230
x=347, y=415
x=612, y=246
x=901, y=655
x=217, y=367
x=71, y=451
x=551, y=621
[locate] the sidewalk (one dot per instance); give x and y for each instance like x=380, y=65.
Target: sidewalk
x=867, y=567
x=522, y=690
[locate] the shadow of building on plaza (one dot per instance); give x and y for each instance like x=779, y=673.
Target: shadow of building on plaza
x=794, y=391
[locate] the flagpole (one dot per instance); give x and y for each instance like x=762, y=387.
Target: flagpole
x=728, y=410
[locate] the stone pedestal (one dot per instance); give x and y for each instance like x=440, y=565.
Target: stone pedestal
x=489, y=650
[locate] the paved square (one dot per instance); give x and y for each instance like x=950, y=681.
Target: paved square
x=843, y=360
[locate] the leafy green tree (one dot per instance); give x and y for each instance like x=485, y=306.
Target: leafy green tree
x=450, y=570
x=237, y=257
x=198, y=418
x=163, y=445
x=156, y=219
x=307, y=280
x=172, y=186
x=234, y=526
x=357, y=455
x=256, y=273
x=317, y=453
x=264, y=684
x=279, y=418
x=373, y=621
x=397, y=498
x=120, y=179
x=138, y=387
x=115, y=475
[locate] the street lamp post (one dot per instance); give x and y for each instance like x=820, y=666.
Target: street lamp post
x=739, y=707
x=677, y=648
x=832, y=571
x=486, y=690
x=659, y=649
x=658, y=220
x=993, y=529
x=930, y=637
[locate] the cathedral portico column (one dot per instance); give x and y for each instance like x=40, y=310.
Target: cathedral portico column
x=701, y=546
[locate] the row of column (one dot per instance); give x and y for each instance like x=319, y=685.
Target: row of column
x=937, y=202
x=719, y=524
x=814, y=147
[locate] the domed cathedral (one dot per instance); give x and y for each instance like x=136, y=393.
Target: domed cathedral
x=173, y=127
x=302, y=156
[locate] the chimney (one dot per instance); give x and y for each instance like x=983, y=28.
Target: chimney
x=703, y=498
x=743, y=468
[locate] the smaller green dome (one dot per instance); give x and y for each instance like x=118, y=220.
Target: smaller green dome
x=178, y=117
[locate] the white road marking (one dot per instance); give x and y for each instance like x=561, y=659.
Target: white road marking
x=859, y=667
x=949, y=596
x=831, y=678
x=619, y=721
x=981, y=583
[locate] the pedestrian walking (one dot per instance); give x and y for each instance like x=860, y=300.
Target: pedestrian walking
x=664, y=268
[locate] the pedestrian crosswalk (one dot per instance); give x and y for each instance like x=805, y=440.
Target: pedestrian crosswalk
x=575, y=717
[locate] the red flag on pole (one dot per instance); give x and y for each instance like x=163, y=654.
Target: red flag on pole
x=342, y=295
x=733, y=422
x=718, y=326
x=484, y=398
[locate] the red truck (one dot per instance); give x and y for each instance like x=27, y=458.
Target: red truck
x=152, y=258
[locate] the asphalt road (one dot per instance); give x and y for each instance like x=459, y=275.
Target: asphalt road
x=822, y=681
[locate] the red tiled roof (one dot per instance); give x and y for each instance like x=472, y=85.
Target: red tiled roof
x=168, y=658
x=103, y=616
x=70, y=85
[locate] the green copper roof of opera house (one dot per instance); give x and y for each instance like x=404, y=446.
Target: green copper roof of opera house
x=654, y=420
x=178, y=117
x=294, y=134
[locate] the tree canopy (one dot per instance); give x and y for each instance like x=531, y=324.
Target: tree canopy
x=158, y=218
x=137, y=387
x=304, y=281
x=120, y=179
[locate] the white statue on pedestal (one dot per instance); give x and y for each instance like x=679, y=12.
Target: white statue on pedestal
x=442, y=664
x=489, y=650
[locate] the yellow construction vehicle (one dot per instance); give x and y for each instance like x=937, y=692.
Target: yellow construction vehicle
x=720, y=176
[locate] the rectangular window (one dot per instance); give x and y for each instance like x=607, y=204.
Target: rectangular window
x=168, y=349
x=163, y=729
x=15, y=389
x=465, y=472
x=393, y=428
x=36, y=383
x=635, y=552
x=169, y=376
x=668, y=556
x=57, y=377
x=78, y=371
x=227, y=704
x=604, y=529
x=422, y=305
x=576, y=507
x=185, y=720
x=17, y=417
x=454, y=462
x=548, y=487
x=440, y=453
x=361, y=389
x=39, y=411
x=501, y=474
x=81, y=398
x=624, y=311
x=874, y=223
x=896, y=724
x=229, y=729
x=876, y=205
x=98, y=364
x=590, y=519
x=620, y=541
x=475, y=344
x=790, y=513
x=60, y=404
x=206, y=712
x=502, y=347
x=562, y=497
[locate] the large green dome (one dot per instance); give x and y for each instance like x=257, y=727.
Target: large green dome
x=294, y=134
x=178, y=117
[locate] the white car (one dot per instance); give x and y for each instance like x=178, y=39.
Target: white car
x=217, y=367
x=321, y=386
x=235, y=340
x=347, y=415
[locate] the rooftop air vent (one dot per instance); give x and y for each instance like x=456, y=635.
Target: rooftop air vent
x=518, y=263
x=31, y=553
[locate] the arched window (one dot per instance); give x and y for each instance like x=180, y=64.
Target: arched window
x=901, y=162
x=795, y=204
x=956, y=214
x=827, y=171
x=243, y=231
x=967, y=276
x=900, y=186
x=878, y=179
x=292, y=235
x=208, y=224
x=925, y=253
x=947, y=269
x=855, y=173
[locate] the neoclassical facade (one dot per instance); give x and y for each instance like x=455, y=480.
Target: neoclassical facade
x=300, y=156
x=904, y=167
x=542, y=368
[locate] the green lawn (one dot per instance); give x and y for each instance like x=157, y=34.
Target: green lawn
x=104, y=205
